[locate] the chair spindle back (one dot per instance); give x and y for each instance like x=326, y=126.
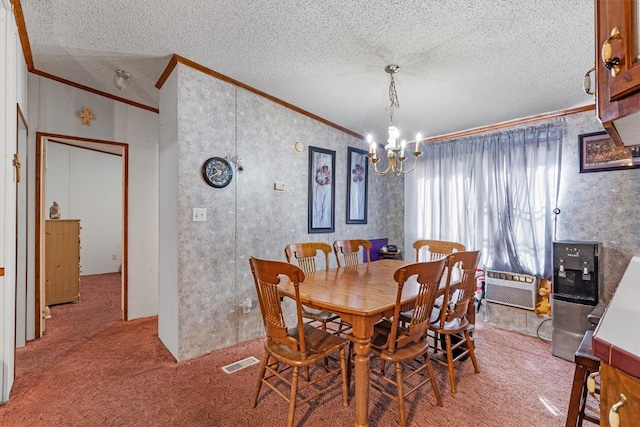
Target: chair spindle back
x=350, y=249
x=305, y=254
x=437, y=248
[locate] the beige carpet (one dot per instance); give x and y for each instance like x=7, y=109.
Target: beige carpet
x=92, y=370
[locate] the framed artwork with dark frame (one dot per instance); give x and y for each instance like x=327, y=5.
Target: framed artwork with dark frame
x=599, y=153
x=357, y=184
x=322, y=190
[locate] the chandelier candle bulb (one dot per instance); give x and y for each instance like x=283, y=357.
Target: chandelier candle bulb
x=418, y=138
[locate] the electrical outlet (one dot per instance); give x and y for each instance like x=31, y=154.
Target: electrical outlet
x=114, y=257
x=199, y=214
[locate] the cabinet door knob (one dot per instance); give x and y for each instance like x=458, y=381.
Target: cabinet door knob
x=610, y=62
x=614, y=416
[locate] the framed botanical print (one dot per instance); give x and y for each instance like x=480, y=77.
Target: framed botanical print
x=357, y=183
x=322, y=190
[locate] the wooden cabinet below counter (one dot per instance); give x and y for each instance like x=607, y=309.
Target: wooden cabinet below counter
x=613, y=383
x=616, y=342
x=62, y=261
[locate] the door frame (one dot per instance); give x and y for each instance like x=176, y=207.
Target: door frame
x=22, y=233
x=40, y=182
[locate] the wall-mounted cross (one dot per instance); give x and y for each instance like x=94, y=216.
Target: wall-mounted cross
x=86, y=115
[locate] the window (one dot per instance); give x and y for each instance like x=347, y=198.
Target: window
x=493, y=192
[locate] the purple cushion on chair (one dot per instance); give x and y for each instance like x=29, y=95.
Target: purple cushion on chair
x=376, y=245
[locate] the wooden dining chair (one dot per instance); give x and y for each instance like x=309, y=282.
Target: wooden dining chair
x=306, y=255
x=400, y=345
x=437, y=248
x=298, y=347
x=349, y=250
x=452, y=317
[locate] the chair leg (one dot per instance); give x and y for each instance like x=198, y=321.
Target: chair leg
x=345, y=381
x=263, y=368
x=399, y=384
x=452, y=379
x=436, y=342
x=434, y=383
x=472, y=353
x=576, y=391
x=292, y=397
x=349, y=365
x=326, y=359
x=583, y=402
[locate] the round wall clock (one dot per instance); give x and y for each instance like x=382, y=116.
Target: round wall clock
x=217, y=172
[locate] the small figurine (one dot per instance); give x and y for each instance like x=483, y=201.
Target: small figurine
x=54, y=211
x=543, y=307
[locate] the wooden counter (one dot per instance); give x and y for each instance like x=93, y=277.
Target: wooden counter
x=616, y=341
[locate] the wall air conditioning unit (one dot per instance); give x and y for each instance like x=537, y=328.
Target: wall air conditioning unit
x=517, y=290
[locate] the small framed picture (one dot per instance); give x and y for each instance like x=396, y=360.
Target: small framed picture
x=599, y=153
x=357, y=181
x=322, y=190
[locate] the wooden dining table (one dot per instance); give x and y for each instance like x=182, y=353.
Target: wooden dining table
x=360, y=295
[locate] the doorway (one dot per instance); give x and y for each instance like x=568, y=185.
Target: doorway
x=83, y=158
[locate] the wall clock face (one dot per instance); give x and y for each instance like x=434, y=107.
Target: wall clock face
x=217, y=172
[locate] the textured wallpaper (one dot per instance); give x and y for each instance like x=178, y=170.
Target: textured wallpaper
x=598, y=206
x=248, y=218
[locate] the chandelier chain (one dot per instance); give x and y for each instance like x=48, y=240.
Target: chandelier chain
x=393, y=99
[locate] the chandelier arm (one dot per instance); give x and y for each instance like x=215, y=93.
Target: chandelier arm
x=378, y=172
x=400, y=171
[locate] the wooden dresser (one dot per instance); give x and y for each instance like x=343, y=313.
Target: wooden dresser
x=62, y=261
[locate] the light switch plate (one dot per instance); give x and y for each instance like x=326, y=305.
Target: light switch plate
x=199, y=214
x=278, y=186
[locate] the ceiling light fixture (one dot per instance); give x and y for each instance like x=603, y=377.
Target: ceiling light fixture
x=121, y=79
x=395, y=151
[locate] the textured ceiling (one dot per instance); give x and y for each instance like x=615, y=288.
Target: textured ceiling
x=464, y=63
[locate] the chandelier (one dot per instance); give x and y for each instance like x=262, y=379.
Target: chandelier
x=395, y=151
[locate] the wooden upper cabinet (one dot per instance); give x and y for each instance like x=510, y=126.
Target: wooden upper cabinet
x=617, y=43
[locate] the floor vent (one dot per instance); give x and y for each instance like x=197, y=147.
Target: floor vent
x=240, y=364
